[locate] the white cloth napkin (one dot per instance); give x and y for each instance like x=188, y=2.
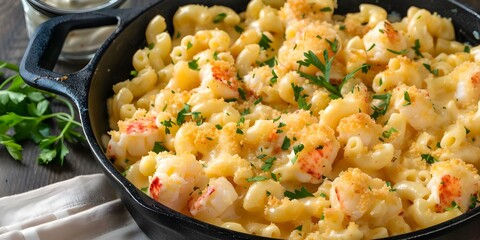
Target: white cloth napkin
x=84, y=207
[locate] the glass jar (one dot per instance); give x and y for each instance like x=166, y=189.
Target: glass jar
x=80, y=45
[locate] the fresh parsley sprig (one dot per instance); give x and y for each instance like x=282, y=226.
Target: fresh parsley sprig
x=26, y=114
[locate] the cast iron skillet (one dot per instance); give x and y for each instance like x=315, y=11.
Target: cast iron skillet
x=90, y=87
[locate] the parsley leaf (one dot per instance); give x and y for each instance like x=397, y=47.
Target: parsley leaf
x=297, y=194
x=402, y=52
x=406, y=97
x=193, y=64
x=25, y=113
x=256, y=178
x=381, y=109
x=219, y=18
x=182, y=114
x=429, y=158
x=286, y=144
x=432, y=71
x=268, y=163
x=158, y=147
x=388, y=133
x=264, y=42
x=416, y=48
x=320, y=80
x=238, y=29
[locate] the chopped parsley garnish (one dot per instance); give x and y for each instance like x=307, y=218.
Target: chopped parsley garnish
x=243, y=94
x=432, y=71
x=467, y=131
x=388, y=133
x=189, y=45
x=274, y=78
x=264, y=42
x=182, y=114
x=271, y=62
x=259, y=100
x=299, y=228
x=239, y=131
x=296, y=149
x=215, y=56
x=416, y=48
x=365, y=68
x=238, y=29
x=473, y=201
x=454, y=205
x=268, y=163
x=158, y=147
x=144, y=189
x=320, y=80
x=466, y=49
x=151, y=46
x=429, y=158
x=391, y=189
x=297, y=194
x=274, y=177
x=193, y=64
x=371, y=47
x=256, y=179
x=406, y=97
x=402, y=52
x=323, y=195
x=219, y=18
x=300, y=98
x=168, y=125
x=286, y=144
x=381, y=109
x=326, y=9
x=133, y=73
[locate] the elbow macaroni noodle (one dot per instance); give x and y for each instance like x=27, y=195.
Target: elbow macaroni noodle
x=288, y=121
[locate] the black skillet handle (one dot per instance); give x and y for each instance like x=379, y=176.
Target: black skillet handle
x=45, y=46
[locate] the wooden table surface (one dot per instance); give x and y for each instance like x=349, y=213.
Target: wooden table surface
x=15, y=176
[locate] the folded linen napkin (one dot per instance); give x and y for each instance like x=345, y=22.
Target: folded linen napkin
x=84, y=207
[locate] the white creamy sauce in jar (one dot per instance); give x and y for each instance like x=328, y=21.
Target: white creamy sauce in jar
x=80, y=45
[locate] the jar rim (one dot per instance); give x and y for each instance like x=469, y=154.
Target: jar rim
x=52, y=11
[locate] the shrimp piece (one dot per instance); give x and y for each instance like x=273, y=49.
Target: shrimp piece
x=214, y=200
x=175, y=178
x=310, y=164
x=135, y=138
x=221, y=78
x=467, y=76
x=383, y=39
x=452, y=184
x=357, y=194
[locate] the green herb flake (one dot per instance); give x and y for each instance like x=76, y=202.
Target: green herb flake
x=371, y=47
x=242, y=93
x=391, y=189
x=238, y=29
x=323, y=195
x=299, y=228
x=406, y=97
x=193, y=64
x=388, y=133
x=259, y=100
x=133, y=73
x=322, y=80
x=429, y=158
x=218, y=126
x=274, y=78
x=219, y=18
x=381, y=109
x=416, y=48
x=182, y=114
x=286, y=143
x=298, y=194
x=264, y=42
x=454, y=205
x=326, y=9
x=189, y=45
x=432, y=71
x=144, y=189
x=256, y=179
x=158, y=147
x=401, y=52
x=268, y=163
x=466, y=49
x=473, y=201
